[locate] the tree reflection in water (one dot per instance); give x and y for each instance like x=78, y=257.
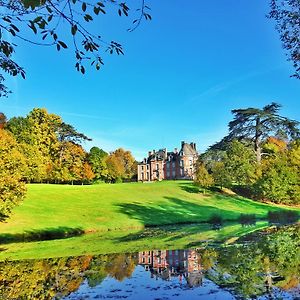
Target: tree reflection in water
x=263, y=264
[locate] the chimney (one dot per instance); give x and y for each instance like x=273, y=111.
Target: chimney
x=149, y=153
x=175, y=150
x=195, y=146
x=182, y=144
x=153, y=151
x=165, y=153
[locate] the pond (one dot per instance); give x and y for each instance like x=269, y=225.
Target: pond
x=263, y=265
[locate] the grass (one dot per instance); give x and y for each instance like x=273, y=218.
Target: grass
x=114, y=212
x=167, y=237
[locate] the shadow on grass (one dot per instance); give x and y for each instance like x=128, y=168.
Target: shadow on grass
x=175, y=211
x=40, y=235
x=218, y=194
x=189, y=187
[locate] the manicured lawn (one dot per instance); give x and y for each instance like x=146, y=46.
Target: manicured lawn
x=121, y=207
x=115, y=216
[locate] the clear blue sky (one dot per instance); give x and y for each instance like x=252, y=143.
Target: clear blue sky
x=181, y=75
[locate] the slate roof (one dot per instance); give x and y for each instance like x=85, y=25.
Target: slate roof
x=187, y=149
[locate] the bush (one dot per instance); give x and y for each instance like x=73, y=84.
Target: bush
x=118, y=180
x=283, y=217
x=247, y=219
x=216, y=221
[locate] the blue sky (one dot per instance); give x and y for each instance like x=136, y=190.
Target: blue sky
x=181, y=75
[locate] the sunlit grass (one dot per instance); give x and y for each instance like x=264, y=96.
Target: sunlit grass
x=112, y=212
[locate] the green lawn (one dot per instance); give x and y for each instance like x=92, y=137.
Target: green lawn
x=115, y=214
x=122, y=207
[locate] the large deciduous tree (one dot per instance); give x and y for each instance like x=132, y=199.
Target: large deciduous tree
x=96, y=159
x=280, y=180
x=12, y=162
x=256, y=125
x=121, y=165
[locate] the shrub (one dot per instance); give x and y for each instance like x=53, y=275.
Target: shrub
x=283, y=217
x=247, y=219
x=216, y=221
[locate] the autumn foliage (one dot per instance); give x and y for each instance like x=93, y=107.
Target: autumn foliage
x=41, y=148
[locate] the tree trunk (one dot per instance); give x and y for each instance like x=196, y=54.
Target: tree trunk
x=257, y=140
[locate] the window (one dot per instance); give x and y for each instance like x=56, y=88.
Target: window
x=173, y=164
x=142, y=176
x=173, y=173
x=142, y=168
x=147, y=167
x=149, y=260
x=191, y=162
x=182, y=163
x=168, y=165
x=168, y=174
x=157, y=166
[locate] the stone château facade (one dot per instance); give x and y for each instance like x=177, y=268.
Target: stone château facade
x=162, y=164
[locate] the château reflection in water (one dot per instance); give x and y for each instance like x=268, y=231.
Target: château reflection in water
x=265, y=265
x=183, y=264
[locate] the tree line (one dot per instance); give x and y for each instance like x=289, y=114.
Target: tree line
x=259, y=158
x=41, y=148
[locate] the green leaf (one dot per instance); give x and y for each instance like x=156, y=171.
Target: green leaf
x=74, y=29
x=96, y=10
x=88, y=18
x=63, y=44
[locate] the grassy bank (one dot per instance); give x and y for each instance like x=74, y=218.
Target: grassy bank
x=77, y=209
x=114, y=216
x=166, y=237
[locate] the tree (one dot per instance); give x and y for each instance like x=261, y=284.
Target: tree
x=115, y=168
x=73, y=165
x=50, y=146
x=280, y=180
x=274, y=145
x=67, y=133
x=120, y=164
x=36, y=169
x=202, y=177
x=127, y=161
x=287, y=17
x=20, y=128
x=3, y=120
x=96, y=159
x=220, y=175
x=239, y=163
x=256, y=125
x=12, y=162
x=49, y=21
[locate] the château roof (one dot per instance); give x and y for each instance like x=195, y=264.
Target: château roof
x=162, y=154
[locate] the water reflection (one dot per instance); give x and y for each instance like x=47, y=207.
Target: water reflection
x=265, y=265
x=184, y=264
